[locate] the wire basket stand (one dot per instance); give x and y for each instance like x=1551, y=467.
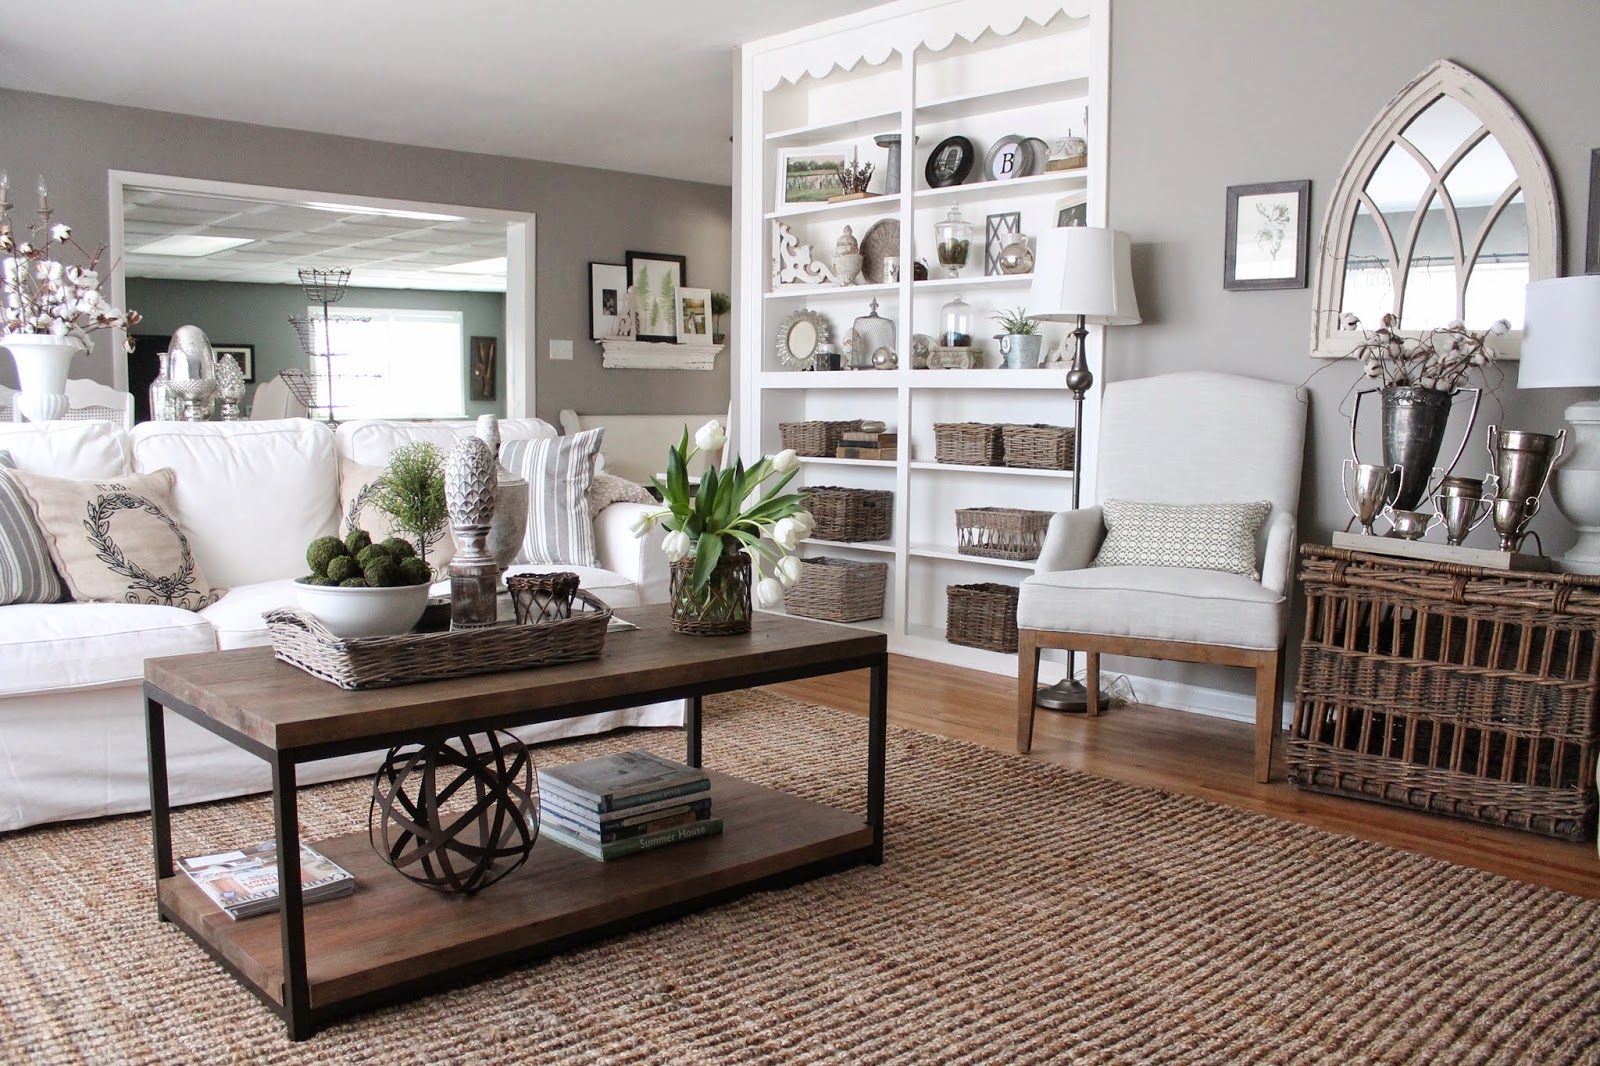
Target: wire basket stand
x=326, y=287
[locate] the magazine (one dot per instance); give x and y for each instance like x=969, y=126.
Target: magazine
x=245, y=882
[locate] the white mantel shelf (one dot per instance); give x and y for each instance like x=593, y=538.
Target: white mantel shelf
x=658, y=355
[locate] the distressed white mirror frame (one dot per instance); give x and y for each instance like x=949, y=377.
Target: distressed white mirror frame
x=1498, y=119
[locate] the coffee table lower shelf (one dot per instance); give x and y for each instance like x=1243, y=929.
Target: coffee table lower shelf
x=393, y=939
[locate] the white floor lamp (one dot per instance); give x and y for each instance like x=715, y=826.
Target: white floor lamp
x=1561, y=349
x=1082, y=274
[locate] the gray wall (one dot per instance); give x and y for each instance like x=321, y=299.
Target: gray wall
x=583, y=214
x=1204, y=96
x=234, y=313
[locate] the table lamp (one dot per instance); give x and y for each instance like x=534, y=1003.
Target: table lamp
x=1561, y=349
x=1082, y=274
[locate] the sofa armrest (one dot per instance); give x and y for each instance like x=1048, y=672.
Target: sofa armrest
x=1277, y=558
x=639, y=559
x=1071, y=540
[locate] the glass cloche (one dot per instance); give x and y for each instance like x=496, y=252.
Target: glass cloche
x=955, y=324
x=954, y=238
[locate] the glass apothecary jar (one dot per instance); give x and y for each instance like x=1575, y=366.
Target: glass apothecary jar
x=954, y=237
x=955, y=324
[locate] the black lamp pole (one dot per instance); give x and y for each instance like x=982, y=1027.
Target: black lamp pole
x=1068, y=694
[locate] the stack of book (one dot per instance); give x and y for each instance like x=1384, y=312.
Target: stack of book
x=621, y=804
x=245, y=882
x=867, y=444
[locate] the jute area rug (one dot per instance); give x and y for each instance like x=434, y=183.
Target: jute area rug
x=1025, y=914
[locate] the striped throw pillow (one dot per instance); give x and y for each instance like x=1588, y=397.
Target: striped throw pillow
x=26, y=573
x=559, y=471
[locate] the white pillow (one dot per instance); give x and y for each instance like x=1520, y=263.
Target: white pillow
x=1206, y=536
x=559, y=471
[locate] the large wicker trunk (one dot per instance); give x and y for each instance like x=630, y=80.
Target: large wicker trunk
x=1449, y=688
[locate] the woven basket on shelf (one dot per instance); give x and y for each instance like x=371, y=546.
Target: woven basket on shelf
x=1001, y=532
x=849, y=514
x=1449, y=688
x=838, y=590
x=815, y=438
x=981, y=616
x=966, y=443
x=1037, y=446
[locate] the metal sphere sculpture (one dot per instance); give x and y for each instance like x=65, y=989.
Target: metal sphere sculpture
x=456, y=815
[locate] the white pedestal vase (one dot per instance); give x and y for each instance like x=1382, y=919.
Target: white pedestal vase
x=42, y=360
x=1576, y=487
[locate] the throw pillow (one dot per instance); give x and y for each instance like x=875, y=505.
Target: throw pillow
x=1211, y=536
x=559, y=472
x=356, y=484
x=26, y=574
x=117, y=540
x=608, y=489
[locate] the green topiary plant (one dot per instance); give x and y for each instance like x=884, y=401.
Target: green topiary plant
x=411, y=492
x=1017, y=323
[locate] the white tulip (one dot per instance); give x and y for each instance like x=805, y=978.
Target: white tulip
x=788, y=533
x=805, y=520
x=789, y=570
x=768, y=592
x=785, y=461
x=710, y=437
x=642, y=524
x=676, y=545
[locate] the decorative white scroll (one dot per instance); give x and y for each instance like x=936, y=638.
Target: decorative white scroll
x=792, y=262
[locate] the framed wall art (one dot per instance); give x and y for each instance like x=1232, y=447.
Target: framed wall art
x=243, y=354
x=608, y=283
x=996, y=228
x=811, y=175
x=1073, y=210
x=1268, y=228
x=482, y=354
x=654, y=279
x=694, y=316
x=949, y=163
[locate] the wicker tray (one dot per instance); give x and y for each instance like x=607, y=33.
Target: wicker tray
x=1001, y=532
x=849, y=514
x=299, y=639
x=1449, y=688
x=815, y=438
x=981, y=616
x=838, y=590
x=1038, y=446
x=966, y=443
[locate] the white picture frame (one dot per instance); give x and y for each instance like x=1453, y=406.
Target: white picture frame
x=809, y=175
x=608, y=294
x=694, y=316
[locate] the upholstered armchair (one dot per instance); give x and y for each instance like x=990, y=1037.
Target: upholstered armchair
x=1124, y=578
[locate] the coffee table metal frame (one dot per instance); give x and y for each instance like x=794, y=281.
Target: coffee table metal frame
x=300, y=1017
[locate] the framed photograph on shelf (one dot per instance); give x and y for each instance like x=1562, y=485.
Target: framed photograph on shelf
x=243, y=354
x=483, y=352
x=694, y=316
x=654, y=279
x=996, y=229
x=608, y=283
x=811, y=175
x=1073, y=210
x=949, y=163
x=1264, y=242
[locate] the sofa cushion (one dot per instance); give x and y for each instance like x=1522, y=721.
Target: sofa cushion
x=51, y=646
x=236, y=617
x=67, y=449
x=252, y=495
x=1157, y=602
x=559, y=471
x=370, y=441
x=26, y=573
x=356, y=481
x=118, y=540
x=607, y=489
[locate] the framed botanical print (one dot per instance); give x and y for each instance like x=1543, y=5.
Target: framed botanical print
x=654, y=280
x=1268, y=228
x=483, y=352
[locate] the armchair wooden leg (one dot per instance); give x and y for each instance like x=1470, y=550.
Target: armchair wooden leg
x=1091, y=682
x=1269, y=688
x=1027, y=682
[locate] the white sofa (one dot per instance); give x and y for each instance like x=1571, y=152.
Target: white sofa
x=250, y=497
x=635, y=446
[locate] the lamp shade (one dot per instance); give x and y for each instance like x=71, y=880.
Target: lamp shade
x=1561, y=334
x=1084, y=270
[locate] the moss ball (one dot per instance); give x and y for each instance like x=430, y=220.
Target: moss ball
x=353, y=583
x=414, y=571
x=355, y=540
x=322, y=551
x=399, y=547
x=370, y=554
x=341, y=568
x=382, y=573
x=317, y=579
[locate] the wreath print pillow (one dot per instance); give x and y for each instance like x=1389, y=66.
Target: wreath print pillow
x=118, y=540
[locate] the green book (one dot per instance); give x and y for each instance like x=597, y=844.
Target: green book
x=632, y=845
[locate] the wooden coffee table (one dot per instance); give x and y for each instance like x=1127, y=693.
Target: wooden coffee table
x=394, y=939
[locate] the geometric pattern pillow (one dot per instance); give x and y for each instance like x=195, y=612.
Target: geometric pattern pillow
x=559, y=471
x=26, y=575
x=117, y=541
x=1207, y=536
x=607, y=490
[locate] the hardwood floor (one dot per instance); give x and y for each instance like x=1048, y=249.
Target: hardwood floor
x=1193, y=755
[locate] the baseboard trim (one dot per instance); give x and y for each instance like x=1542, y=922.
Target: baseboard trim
x=1198, y=699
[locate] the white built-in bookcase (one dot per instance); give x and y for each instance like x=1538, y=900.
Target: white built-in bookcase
x=979, y=68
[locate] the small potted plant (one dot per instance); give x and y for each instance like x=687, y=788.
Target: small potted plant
x=1019, y=339
x=720, y=305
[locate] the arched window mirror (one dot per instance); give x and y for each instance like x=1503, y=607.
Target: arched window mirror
x=1445, y=210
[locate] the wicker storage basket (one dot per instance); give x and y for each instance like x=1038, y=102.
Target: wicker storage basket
x=1001, y=532
x=1449, y=688
x=815, y=438
x=378, y=662
x=981, y=616
x=1037, y=446
x=838, y=590
x=968, y=443
x=849, y=514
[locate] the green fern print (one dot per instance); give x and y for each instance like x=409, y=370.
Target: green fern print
x=641, y=299
x=668, y=303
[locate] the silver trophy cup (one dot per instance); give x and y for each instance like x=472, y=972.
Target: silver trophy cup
x=1411, y=525
x=1462, y=506
x=1368, y=489
x=1522, y=462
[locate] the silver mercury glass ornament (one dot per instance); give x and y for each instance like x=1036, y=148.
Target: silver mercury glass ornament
x=469, y=489
x=192, y=371
x=230, y=388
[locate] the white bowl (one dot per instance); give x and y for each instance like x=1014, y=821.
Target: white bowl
x=359, y=612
